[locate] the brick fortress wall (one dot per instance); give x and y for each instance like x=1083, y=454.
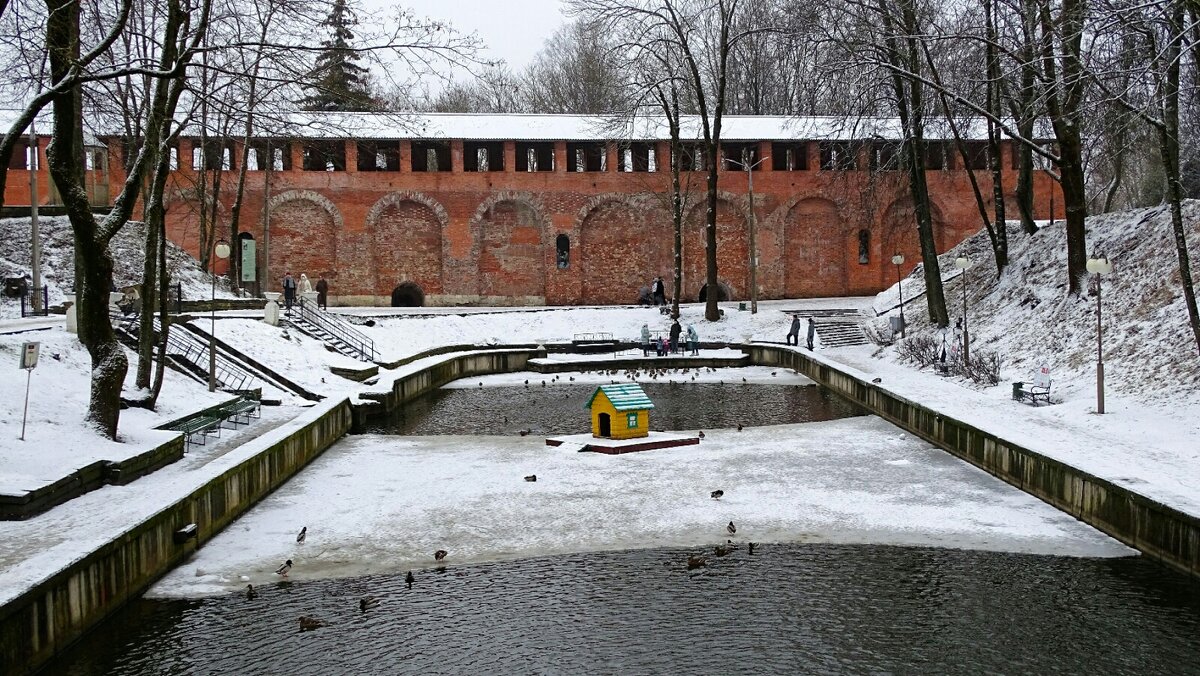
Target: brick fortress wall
x=491, y=237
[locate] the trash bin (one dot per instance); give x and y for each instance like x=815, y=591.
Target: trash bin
x=1018, y=386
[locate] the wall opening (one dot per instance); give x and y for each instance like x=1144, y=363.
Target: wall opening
x=535, y=156
x=378, y=156
x=483, y=156
x=562, y=251
x=723, y=292
x=431, y=156
x=738, y=156
x=587, y=156
x=838, y=156
x=864, y=247
x=408, y=294
x=325, y=156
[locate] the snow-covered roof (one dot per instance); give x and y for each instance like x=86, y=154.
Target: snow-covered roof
x=624, y=397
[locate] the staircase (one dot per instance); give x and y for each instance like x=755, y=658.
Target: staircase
x=189, y=355
x=836, y=327
x=330, y=329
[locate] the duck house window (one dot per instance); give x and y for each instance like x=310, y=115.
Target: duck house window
x=631, y=421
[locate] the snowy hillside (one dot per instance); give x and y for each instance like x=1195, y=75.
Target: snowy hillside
x=1027, y=317
x=58, y=260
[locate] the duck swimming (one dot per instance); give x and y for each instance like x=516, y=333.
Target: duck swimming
x=722, y=550
x=695, y=562
x=367, y=602
x=250, y=593
x=437, y=556
x=308, y=623
x=409, y=579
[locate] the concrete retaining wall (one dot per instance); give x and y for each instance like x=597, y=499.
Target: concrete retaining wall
x=38, y=624
x=1155, y=529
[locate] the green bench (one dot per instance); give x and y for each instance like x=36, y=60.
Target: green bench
x=208, y=422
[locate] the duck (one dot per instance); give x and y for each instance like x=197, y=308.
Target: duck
x=308, y=623
x=283, y=570
x=695, y=562
x=722, y=550
x=877, y=380
x=409, y=579
x=440, y=554
x=751, y=546
x=700, y=434
x=739, y=427
x=301, y=537
x=525, y=432
x=716, y=495
x=731, y=528
x=531, y=477
x=367, y=602
x=250, y=593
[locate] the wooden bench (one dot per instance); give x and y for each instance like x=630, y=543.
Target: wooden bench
x=200, y=427
x=208, y=422
x=1038, y=390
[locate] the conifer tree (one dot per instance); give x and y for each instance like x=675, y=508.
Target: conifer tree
x=338, y=82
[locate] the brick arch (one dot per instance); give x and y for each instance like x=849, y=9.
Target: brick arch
x=814, y=263
x=898, y=232
x=406, y=236
x=618, y=252
x=304, y=232
x=512, y=245
x=733, y=247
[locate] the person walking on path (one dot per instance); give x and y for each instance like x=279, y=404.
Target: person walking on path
x=322, y=294
x=675, y=331
x=693, y=341
x=645, y=340
x=793, y=336
x=812, y=332
x=660, y=293
x=289, y=291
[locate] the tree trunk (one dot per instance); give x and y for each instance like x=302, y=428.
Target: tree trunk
x=93, y=264
x=164, y=322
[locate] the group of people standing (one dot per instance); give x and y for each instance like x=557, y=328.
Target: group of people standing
x=793, y=336
x=291, y=286
x=671, y=344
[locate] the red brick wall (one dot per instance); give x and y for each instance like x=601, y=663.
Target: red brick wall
x=490, y=237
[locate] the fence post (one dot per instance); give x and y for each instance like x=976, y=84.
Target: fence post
x=178, y=297
x=45, y=300
x=23, y=305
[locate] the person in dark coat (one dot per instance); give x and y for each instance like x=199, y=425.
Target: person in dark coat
x=793, y=336
x=675, y=331
x=660, y=292
x=322, y=293
x=812, y=332
x=289, y=290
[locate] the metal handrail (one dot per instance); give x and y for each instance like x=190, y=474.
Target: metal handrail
x=337, y=328
x=191, y=348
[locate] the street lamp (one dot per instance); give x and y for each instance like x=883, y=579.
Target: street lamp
x=962, y=263
x=749, y=167
x=1099, y=266
x=221, y=251
x=898, y=260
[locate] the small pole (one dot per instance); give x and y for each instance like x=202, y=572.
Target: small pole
x=966, y=340
x=901, y=288
x=1099, y=350
x=35, y=232
x=25, y=413
x=212, y=331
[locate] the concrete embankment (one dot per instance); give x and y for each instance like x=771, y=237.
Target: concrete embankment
x=1155, y=529
x=56, y=611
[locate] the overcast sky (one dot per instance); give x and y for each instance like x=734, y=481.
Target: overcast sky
x=513, y=30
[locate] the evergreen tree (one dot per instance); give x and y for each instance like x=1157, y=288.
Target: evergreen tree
x=338, y=82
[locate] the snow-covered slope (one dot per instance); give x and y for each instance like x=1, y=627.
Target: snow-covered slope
x=1027, y=316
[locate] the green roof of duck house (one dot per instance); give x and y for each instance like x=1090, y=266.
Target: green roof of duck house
x=624, y=397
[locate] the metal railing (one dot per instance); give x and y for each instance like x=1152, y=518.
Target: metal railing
x=27, y=309
x=192, y=349
x=336, y=328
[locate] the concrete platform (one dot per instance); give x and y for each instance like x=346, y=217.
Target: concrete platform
x=587, y=442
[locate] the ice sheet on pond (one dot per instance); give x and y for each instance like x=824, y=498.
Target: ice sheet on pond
x=378, y=504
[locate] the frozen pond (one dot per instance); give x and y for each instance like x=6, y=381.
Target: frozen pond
x=787, y=609
x=383, y=504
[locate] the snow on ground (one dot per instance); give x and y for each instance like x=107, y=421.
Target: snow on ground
x=34, y=550
x=56, y=440
x=128, y=250
x=398, y=337
x=292, y=354
x=376, y=504
x=1027, y=317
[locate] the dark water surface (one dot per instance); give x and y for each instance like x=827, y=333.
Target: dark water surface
x=787, y=609
x=558, y=408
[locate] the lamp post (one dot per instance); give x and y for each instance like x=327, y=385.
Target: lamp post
x=749, y=167
x=221, y=251
x=1099, y=266
x=963, y=263
x=898, y=260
